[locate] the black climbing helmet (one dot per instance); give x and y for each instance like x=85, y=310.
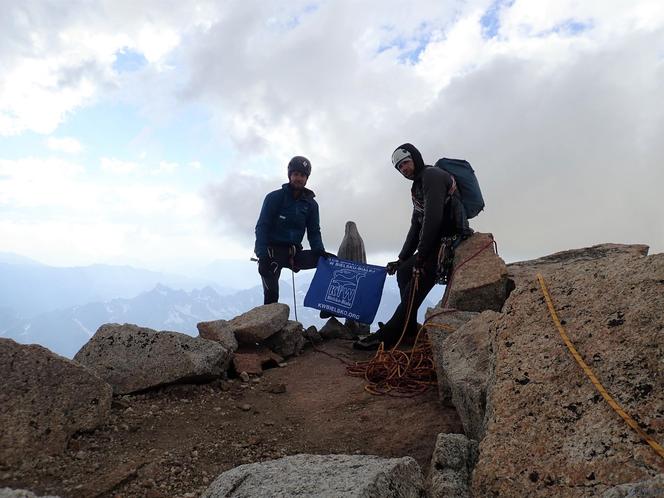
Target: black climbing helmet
x=301, y=164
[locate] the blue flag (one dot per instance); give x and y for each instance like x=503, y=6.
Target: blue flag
x=347, y=288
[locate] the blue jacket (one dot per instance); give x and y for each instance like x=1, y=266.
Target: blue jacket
x=284, y=219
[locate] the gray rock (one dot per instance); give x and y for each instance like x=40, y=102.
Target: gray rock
x=482, y=283
x=323, y=476
x=352, y=249
x=451, y=466
x=440, y=325
x=20, y=493
x=311, y=334
x=548, y=430
x=357, y=329
x=464, y=362
x=334, y=329
x=352, y=245
x=44, y=400
x=651, y=488
x=132, y=358
x=258, y=324
x=289, y=341
x=220, y=331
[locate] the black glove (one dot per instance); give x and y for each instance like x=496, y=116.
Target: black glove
x=393, y=266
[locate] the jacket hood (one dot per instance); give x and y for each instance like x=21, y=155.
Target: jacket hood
x=417, y=157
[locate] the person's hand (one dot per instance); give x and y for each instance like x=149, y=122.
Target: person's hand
x=323, y=254
x=393, y=266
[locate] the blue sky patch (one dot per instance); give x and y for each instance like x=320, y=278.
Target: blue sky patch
x=409, y=47
x=572, y=27
x=127, y=60
x=490, y=21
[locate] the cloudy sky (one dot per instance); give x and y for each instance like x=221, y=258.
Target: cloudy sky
x=148, y=132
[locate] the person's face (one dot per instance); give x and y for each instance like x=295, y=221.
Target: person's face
x=407, y=168
x=298, y=180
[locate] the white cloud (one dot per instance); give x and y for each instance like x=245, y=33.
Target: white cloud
x=60, y=211
x=550, y=111
x=166, y=167
x=559, y=110
x=58, y=58
x=40, y=183
x=68, y=145
x=118, y=166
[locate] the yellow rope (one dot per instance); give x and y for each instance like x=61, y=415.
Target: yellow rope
x=589, y=373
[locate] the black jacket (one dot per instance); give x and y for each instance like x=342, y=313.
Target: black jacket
x=429, y=221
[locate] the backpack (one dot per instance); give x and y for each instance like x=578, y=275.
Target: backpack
x=469, y=187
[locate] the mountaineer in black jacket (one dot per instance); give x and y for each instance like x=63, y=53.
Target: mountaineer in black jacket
x=437, y=213
x=285, y=215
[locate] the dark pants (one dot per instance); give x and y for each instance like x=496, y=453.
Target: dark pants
x=282, y=257
x=392, y=330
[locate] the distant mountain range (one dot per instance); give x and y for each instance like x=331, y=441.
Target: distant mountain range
x=61, y=308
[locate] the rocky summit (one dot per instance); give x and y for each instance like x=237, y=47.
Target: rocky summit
x=514, y=414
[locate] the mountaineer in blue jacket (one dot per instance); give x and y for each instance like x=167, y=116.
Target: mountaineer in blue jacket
x=285, y=215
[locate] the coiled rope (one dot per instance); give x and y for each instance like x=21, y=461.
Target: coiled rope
x=406, y=374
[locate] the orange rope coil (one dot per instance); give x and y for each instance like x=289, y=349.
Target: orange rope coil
x=408, y=374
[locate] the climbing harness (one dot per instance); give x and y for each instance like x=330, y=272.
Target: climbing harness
x=589, y=373
x=274, y=267
x=445, y=259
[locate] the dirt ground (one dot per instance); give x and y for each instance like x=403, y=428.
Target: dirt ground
x=174, y=441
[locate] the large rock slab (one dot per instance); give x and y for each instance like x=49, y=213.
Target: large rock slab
x=289, y=341
x=549, y=432
x=258, y=324
x=220, y=331
x=440, y=324
x=44, y=400
x=481, y=283
x=463, y=364
x=132, y=358
x=323, y=476
x=452, y=464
